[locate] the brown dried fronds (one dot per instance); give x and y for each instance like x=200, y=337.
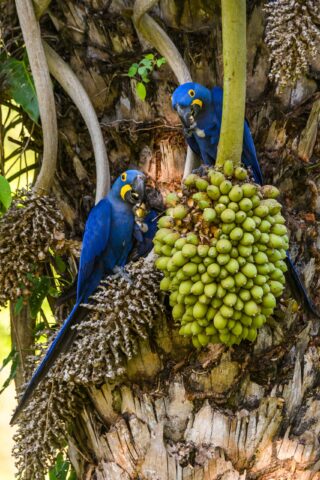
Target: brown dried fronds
x=293, y=36
x=28, y=230
x=120, y=314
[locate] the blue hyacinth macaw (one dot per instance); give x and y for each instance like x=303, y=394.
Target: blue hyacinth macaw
x=200, y=111
x=107, y=242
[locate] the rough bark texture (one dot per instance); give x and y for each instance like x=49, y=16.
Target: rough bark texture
x=22, y=338
x=250, y=412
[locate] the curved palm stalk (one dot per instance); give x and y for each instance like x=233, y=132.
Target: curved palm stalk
x=234, y=81
x=158, y=38
x=32, y=37
x=73, y=87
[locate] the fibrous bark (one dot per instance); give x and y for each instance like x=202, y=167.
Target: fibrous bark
x=245, y=413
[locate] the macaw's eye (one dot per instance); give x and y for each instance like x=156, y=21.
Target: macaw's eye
x=192, y=93
x=124, y=177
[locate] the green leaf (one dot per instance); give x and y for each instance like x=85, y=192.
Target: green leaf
x=145, y=79
x=147, y=63
x=133, y=70
x=141, y=90
x=142, y=71
x=53, y=292
x=60, y=470
x=73, y=475
x=19, y=85
x=60, y=264
x=5, y=193
x=8, y=359
x=161, y=61
x=39, y=293
x=149, y=56
x=39, y=327
x=18, y=305
x=13, y=357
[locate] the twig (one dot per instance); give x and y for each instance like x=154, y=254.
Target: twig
x=73, y=87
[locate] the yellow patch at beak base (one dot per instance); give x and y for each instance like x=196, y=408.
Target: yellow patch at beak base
x=124, y=190
x=197, y=101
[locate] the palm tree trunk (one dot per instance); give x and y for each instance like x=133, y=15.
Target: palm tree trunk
x=250, y=412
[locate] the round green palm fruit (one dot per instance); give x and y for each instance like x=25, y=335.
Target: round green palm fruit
x=172, y=199
x=222, y=246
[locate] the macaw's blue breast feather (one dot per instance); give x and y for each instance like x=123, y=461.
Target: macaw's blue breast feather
x=95, y=241
x=193, y=144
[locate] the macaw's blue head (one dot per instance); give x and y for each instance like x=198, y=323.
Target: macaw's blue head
x=130, y=187
x=189, y=100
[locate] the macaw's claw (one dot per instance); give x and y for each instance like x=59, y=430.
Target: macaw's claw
x=120, y=272
x=201, y=171
x=188, y=132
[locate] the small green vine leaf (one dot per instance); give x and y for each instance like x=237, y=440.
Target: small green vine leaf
x=19, y=84
x=133, y=70
x=13, y=358
x=5, y=194
x=40, y=290
x=161, y=61
x=140, y=71
x=18, y=306
x=60, y=470
x=141, y=90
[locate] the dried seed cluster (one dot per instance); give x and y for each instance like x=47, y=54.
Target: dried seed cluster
x=293, y=36
x=222, y=246
x=31, y=227
x=119, y=314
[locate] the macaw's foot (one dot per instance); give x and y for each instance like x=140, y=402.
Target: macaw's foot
x=120, y=272
x=201, y=171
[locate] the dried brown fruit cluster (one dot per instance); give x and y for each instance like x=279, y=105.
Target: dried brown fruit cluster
x=293, y=36
x=28, y=230
x=120, y=314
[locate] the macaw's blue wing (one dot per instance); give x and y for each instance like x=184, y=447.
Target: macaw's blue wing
x=297, y=287
x=95, y=241
x=249, y=155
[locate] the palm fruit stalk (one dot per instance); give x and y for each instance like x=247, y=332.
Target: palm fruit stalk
x=221, y=246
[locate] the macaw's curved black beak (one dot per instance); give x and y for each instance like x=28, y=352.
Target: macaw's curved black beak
x=188, y=115
x=137, y=192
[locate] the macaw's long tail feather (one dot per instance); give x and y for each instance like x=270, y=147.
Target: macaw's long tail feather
x=61, y=343
x=298, y=289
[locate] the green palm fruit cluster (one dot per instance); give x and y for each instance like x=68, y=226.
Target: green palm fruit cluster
x=221, y=246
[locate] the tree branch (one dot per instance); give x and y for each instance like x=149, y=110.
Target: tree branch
x=73, y=87
x=32, y=37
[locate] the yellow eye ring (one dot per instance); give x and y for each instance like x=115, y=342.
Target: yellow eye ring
x=124, y=177
x=191, y=93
